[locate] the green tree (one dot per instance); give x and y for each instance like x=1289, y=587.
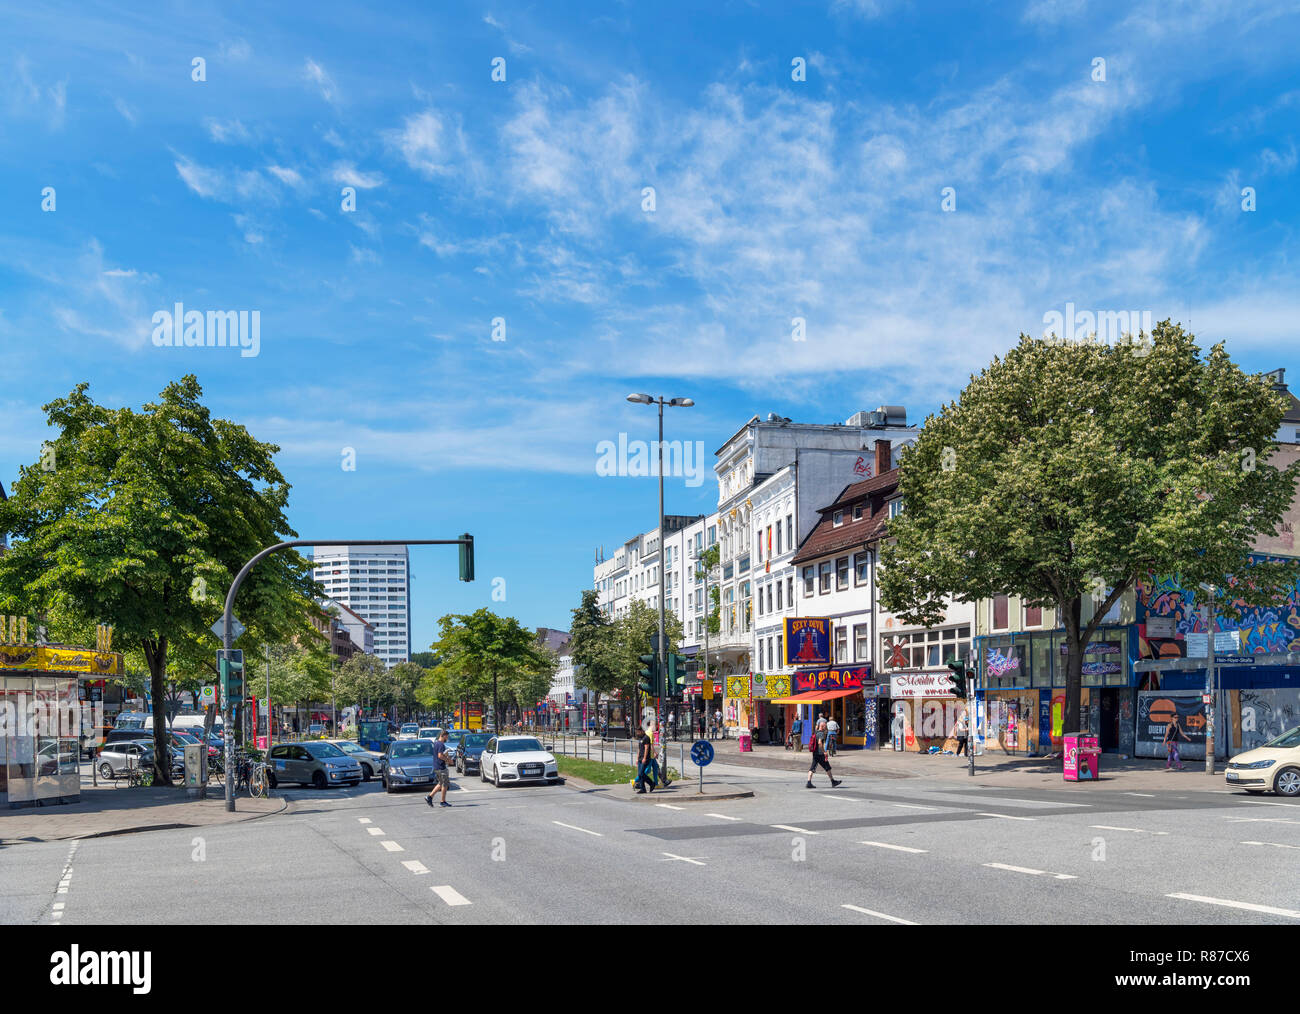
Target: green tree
x=141, y=520
x=708, y=566
x=436, y=690
x=364, y=680
x=405, y=679
x=634, y=633
x=591, y=646
x=1066, y=471
x=482, y=652
x=298, y=673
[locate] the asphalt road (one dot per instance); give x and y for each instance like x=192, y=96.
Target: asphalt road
x=886, y=852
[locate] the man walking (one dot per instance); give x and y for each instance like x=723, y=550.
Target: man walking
x=644, y=762
x=832, y=736
x=818, y=747
x=796, y=735
x=441, y=777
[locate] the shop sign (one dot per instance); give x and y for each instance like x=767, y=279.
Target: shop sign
x=1100, y=668
x=66, y=660
x=765, y=686
x=999, y=663
x=738, y=686
x=849, y=678
x=807, y=641
x=1096, y=648
x=921, y=684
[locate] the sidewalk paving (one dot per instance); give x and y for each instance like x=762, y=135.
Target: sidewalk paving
x=115, y=809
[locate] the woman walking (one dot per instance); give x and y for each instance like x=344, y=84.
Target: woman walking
x=1172, y=734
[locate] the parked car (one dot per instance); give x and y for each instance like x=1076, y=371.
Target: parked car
x=115, y=759
x=410, y=730
x=316, y=763
x=371, y=761
x=469, y=750
x=1273, y=767
x=408, y=763
x=453, y=741
x=516, y=759
x=429, y=731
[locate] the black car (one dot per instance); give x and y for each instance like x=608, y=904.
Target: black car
x=469, y=750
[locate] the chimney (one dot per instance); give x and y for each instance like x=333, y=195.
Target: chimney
x=883, y=464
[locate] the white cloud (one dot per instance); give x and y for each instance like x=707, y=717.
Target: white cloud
x=236, y=50
x=126, y=111
x=420, y=140
x=289, y=176
x=1051, y=12
x=223, y=185
x=316, y=74
x=347, y=174
x=227, y=132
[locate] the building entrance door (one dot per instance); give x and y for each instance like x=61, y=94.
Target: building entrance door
x=1109, y=719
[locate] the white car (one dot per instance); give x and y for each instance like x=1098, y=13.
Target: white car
x=1274, y=766
x=409, y=731
x=516, y=759
x=429, y=731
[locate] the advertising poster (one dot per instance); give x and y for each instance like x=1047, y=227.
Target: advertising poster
x=1157, y=708
x=807, y=641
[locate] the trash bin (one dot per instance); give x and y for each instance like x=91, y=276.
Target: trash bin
x=1082, y=756
x=746, y=744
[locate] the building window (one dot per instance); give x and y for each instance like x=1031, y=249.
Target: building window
x=924, y=648
x=1033, y=616
x=779, y=606
x=861, y=632
x=713, y=534
x=825, y=578
x=760, y=602
x=895, y=507
x=857, y=512
x=780, y=657
x=860, y=562
x=1000, y=612
x=842, y=573
x=743, y=566
x=789, y=530
x=807, y=582
x=841, y=644
x=778, y=538
x=789, y=592
x=837, y=519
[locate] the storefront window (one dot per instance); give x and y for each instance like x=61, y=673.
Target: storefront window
x=1040, y=661
x=855, y=715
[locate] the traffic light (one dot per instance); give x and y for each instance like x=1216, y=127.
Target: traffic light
x=649, y=675
x=467, y=558
x=677, y=668
x=960, y=674
x=230, y=667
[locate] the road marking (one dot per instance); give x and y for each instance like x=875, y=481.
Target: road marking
x=669, y=806
x=1265, y=909
x=1004, y=816
x=392, y=846
x=61, y=904
x=721, y=816
x=376, y=831
x=450, y=895
x=913, y=806
x=1261, y=820
x=1136, y=830
x=574, y=827
x=897, y=848
x=415, y=866
x=878, y=915
x=684, y=859
x=1275, y=845
x=1036, y=873
x=1263, y=802
x=1145, y=795
x=847, y=799
x=363, y=820
x=796, y=830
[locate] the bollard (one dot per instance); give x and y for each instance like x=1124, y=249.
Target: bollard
x=588, y=748
x=681, y=770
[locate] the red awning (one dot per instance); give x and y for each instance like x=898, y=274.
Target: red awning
x=816, y=696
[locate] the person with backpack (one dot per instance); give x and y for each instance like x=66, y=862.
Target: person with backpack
x=818, y=747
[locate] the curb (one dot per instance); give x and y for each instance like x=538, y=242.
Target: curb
x=174, y=826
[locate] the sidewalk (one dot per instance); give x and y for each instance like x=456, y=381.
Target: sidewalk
x=111, y=810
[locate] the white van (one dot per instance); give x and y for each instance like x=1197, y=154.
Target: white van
x=181, y=723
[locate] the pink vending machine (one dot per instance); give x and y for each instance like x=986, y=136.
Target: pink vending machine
x=1081, y=758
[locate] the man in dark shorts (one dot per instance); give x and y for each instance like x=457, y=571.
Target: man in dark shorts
x=441, y=777
x=818, y=747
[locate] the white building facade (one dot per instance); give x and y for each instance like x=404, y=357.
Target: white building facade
x=374, y=582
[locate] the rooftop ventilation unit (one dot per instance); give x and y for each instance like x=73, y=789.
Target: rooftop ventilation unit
x=867, y=419
x=895, y=415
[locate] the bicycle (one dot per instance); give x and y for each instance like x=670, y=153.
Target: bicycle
x=139, y=778
x=259, y=781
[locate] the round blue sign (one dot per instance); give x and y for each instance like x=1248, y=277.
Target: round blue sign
x=702, y=753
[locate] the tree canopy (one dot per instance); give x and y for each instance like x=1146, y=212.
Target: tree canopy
x=1064, y=471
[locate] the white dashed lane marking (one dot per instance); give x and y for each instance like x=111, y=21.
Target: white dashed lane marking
x=878, y=915
x=1036, y=873
x=791, y=827
x=896, y=848
x=392, y=846
x=1005, y=816
x=376, y=831
x=574, y=827
x=1135, y=830
x=415, y=866
x=669, y=806
x=684, y=859
x=1274, y=844
x=721, y=816
x=450, y=895
x=1265, y=909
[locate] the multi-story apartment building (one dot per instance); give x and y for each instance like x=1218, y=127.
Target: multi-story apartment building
x=373, y=582
x=361, y=632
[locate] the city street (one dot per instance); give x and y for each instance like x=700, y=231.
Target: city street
x=902, y=851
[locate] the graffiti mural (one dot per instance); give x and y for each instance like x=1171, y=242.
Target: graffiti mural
x=1266, y=714
x=1263, y=630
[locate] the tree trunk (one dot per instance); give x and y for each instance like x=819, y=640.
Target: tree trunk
x=1073, y=613
x=155, y=654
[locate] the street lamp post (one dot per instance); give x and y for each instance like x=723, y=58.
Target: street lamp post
x=1210, y=674
x=645, y=399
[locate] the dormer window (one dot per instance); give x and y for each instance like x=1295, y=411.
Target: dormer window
x=837, y=519
x=857, y=513
x=895, y=507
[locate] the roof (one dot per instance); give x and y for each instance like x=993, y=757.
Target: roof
x=827, y=538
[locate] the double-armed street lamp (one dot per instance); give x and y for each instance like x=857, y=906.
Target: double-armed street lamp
x=645, y=399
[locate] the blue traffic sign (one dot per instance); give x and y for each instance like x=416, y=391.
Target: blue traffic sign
x=702, y=753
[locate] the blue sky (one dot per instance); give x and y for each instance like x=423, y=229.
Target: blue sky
x=523, y=200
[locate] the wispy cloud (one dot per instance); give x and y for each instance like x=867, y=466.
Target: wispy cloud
x=316, y=74
x=350, y=176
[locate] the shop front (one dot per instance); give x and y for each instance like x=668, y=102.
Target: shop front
x=845, y=694
x=43, y=717
x=923, y=710
x=1022, y=683
x=766, y=715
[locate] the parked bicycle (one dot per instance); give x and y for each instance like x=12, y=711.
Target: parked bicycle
x=259, y=780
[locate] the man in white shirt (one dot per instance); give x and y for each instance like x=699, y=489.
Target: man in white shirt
x=832, y=736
